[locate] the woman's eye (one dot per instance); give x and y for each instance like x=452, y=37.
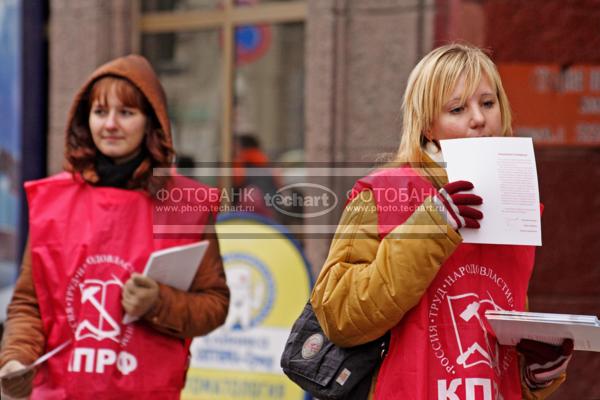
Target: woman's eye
x=456, y=110
x=127, y=112
x=99, y=111
x=489, y=104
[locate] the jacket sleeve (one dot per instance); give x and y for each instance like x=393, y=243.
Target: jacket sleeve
x=200, y=310
x=544, y=393
x=23, y=339
x=367, y=284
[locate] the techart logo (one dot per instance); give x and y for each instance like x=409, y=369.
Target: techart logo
x=303, y=200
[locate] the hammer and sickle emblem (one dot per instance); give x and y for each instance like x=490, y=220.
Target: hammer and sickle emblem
x=486, y=354
x=91, y=289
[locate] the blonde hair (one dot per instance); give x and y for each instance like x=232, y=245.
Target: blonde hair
x=431, y=83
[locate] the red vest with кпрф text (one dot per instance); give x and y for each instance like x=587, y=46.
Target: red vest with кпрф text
x=85, y=242
x=443, y=348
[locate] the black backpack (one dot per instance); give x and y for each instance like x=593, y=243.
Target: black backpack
x=327, y=371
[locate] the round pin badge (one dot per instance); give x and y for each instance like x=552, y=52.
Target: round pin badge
x=312, y=346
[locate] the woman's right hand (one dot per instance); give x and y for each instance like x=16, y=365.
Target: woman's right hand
x=456, y=206
x=17, y=387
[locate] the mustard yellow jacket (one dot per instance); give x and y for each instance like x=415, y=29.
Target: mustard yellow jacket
x=367, y=285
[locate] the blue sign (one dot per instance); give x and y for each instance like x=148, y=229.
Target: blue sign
x=252, y=42
x=10, y=141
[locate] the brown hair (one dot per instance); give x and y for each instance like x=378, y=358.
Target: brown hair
x=80, y=152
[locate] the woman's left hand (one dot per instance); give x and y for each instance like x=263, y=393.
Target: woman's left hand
x=140, y=293
x=544, y=362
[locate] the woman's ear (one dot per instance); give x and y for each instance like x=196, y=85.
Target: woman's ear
x=424, y=140
x=427, y=136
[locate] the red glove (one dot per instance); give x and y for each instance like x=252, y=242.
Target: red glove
x=456, y=206
x=544, y=362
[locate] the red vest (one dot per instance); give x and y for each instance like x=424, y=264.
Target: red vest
x=443, y=349
x=85, y=243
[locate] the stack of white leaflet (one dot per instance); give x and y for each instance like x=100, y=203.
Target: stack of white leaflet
x=512, y=326
x=174, y=266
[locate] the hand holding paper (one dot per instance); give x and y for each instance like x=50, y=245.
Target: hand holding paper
x=174, y=266
x=140, y=293
x=503, y=171
x=544, y=362
x=457, y=204
x=20, y=384
x=17, y=378
x=511, y=327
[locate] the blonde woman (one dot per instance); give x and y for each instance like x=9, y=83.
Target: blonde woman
x=397, y=262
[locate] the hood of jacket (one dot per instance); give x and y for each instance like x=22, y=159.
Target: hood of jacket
x=137, y=70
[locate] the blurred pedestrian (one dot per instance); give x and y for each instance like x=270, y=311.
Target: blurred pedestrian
x=91, y=230
x=254, y=180
x=398, y=264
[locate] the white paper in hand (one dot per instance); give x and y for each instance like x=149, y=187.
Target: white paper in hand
x=174, y=266
x=37, y=362
x=512, y=326
x=504, y=174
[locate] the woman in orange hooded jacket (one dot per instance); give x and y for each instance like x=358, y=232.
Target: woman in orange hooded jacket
x=91, y=231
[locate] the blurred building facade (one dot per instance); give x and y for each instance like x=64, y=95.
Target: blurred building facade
x=23, y=115
x=322, y=81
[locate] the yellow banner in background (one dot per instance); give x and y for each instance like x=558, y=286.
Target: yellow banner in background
x=223, y=385
x=270, y=283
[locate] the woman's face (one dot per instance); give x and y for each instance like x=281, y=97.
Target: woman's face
x=117, y=130
x=478, y=116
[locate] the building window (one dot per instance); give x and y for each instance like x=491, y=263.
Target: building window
x=229, y=67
